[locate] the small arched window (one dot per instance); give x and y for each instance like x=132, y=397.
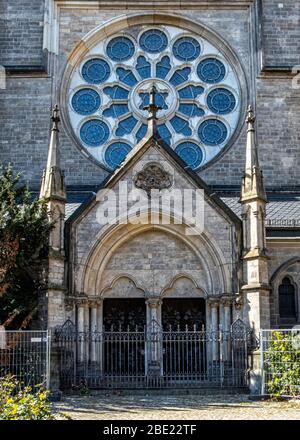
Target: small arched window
x=287, y=300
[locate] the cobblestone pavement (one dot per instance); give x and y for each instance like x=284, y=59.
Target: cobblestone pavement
x=196, y=407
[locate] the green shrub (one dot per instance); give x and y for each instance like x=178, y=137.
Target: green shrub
x=17, y=403
x=282, y=363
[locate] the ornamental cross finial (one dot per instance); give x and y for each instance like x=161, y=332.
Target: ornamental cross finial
x=152, y=108
x=250, y=116
x=55, y=117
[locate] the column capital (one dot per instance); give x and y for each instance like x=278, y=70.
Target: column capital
x=154, y=302
x=227, y=300
x=94, y=301
x=69, y=303
x=213, y=301
x=81, y=301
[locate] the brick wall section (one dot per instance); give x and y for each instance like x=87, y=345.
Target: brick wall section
x=21, y=32
x=281, y=32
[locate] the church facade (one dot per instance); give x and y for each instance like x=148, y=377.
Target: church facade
x=172, y=168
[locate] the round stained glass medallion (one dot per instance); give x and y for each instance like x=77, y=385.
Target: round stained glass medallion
x=186, y=49
x=221, y=101
x=211, y=70
x=95, y=71
x=86, y=101
x=94, y=132
x=120, y=49
x=212, y=132
x=183, y=69
x=116, y=153
x=190, y=153
x=153, y=41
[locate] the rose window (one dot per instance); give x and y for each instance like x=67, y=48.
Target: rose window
x=197, y=90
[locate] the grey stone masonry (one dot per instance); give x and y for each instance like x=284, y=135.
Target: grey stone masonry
x=280, y=32
x=21, y=32
x=28, y=99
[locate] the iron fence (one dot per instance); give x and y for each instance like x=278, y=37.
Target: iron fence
x=26, y=356
x=153, y=358
x=280, y=362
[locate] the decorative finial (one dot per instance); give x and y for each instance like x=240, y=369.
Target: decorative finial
x=55, y=118
x=250, y=116
x=152, y=108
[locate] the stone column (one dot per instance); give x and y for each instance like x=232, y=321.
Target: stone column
x=154, y=348
x=100, y=334
x=226, y=302
x=214, y=307
x=80, y=327
x=94, y=339
x=208, y=332
x=87, y=330
x=153, y=310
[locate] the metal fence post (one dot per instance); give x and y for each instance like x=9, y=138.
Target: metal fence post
x=48, y=359
x=262, y=363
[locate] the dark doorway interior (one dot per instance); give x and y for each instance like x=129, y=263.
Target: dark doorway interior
x=181, y=314
x=184, y=347
x=124, y=314
x=124, y=322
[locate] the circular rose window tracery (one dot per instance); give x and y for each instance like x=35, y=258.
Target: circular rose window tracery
x=197, y=90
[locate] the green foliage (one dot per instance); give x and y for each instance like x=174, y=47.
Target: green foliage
x=23, y=404
x=24, y=234
x=282, y=361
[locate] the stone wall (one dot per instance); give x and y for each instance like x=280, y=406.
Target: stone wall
x=25, y=105
x=21, y=32
x=281, y=32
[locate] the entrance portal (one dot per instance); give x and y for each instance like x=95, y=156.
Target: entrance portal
x=124, y=322
x=184, y=347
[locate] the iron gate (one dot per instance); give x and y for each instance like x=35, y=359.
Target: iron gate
x=153, y=358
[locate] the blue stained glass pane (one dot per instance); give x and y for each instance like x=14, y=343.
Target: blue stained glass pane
x=159, y=100
x=86, y=101
x=126, y=126
x=190, y=92
x=180, y=76
x=141, y=132
x=126, y=76
x=116, y=110
x=212, y=132
x=186, y=49
x=221, y=101
x=181, y=126
x=164, y=133
x=211, y=70
x=163, y=67
x=191, y=110
x=191, y=153
x=95, y=71
x=94, y=132
x=120, y=49
x=116, y=153
x=153, y=41
x=116, y=92
x=143, y=67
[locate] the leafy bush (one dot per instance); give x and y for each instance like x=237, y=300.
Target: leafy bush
x=282, y=363
x=17, y=403
x=24, y=237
